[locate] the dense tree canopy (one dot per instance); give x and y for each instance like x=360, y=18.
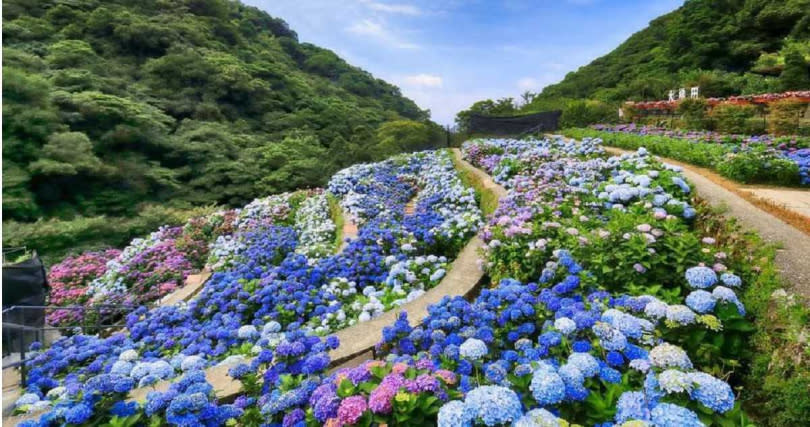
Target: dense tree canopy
x=110, y=105
x=721, y=45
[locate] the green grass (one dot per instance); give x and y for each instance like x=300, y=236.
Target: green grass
x=486, y=198
x=337, y=217
x=775, y=372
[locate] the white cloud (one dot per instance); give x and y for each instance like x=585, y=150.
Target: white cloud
x=528, y=83
x=376, y=30
x=400, y=8
x=367, y=27
x=423, y=80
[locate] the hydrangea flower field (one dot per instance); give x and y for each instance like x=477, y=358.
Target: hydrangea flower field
x=608, y=304
x=277, y=286
x=769, y=158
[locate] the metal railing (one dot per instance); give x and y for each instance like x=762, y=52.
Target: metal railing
x=18, y=328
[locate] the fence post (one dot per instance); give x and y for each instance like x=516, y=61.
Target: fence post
x=22, y=350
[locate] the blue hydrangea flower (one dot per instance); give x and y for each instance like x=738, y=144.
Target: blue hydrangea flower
x=78, y=414
x=701, y=277
x=565, y=325
x=674, y=381
x=632, y=405
x=670, y=415
x=239, y=371
x=701, y=301
x=495, y=373
x=493, y=405
x=124, y=409
x=680, y=314
x=712, y=392
x=669, y=356
x=586, y=364
x=537, y=418
x=609, y=337
x=614, y=358
x=247, y=332
x=610, y=375
x=473, y=349
x=454, y=414
x=547, y=386
x=722, y=293
x=730, y=279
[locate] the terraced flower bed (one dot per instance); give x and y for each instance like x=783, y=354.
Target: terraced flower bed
x=748, y=159
x=275, y=290
x=153, y=267
x=616, y=298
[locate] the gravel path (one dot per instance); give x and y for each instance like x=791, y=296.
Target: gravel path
x=792, y=260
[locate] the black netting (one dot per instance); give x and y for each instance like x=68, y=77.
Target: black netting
x=515, y=125
x=24, y=284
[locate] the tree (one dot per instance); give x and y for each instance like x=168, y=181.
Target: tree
x=402, y=136
x=527, y=97
x=111, y=105
x=795, y=75
x=68, y=153
x=70, y=53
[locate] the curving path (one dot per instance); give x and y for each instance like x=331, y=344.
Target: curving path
x=349, y=230
x=792, y=259
x=194, y=283
x=486, y=181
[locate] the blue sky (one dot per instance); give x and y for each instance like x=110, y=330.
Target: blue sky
x=447, y=54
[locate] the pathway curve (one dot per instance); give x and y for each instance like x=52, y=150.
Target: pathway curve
x=349, y=230
x=795, y=200
x=792, y=260
x=194, y=283
x=486, y=181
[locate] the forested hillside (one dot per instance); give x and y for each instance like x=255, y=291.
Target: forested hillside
x=113, y=105
x=726, y=46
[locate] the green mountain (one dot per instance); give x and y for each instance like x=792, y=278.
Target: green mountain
x=112, y=105
x=728, y=47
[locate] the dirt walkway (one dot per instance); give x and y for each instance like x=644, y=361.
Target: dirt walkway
x=793, y=260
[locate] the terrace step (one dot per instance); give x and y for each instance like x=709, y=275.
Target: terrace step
x=349, y=230
x=194, y=283
x=484, y=177
x=792, y=258
x=410, y=208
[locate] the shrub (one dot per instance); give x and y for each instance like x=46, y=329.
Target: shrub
x=754, y=166
x=55, y=238
x=587, y=112
x=405, y=135
x=693, y=113
x=783, y=118
x=731, y=118
x=755, y=126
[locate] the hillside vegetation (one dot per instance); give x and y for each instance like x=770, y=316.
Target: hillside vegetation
x=115, y=111
x=727, y=47
x=111, y=104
